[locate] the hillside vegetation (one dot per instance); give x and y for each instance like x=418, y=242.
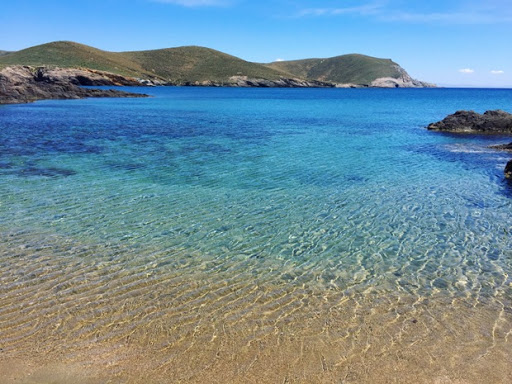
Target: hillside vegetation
x=199, y=65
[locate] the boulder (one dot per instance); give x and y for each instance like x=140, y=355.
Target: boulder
x=508, y=170
x=494, y=122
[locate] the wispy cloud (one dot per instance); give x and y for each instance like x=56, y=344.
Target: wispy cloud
x=497, y=72
x=196, y=3
x=493, y=11
x=467, y=70
x=367, y=9
x=468, y=17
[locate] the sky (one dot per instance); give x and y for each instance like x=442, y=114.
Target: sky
x=447, y=42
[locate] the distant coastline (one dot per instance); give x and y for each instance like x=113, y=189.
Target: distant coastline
x=200, y=66
x=57, y=70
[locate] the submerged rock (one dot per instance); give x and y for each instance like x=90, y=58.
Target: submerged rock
x=22, y=84
x=497, y=122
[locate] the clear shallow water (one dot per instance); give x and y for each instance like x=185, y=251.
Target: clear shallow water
x=315, y=235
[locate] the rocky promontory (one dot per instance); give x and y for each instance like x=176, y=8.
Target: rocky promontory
x=22, y=84
x=492, y=122
x=402, y=82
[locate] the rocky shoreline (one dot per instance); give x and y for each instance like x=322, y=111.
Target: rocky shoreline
x=491, y=122
x=24, y=84
x=496, y=122
x=88, y=77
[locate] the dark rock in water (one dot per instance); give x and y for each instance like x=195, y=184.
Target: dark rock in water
x=502, y=147
x=508, y=170
x=23, y=84
x=495, y=122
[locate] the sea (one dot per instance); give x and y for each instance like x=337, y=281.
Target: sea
x=233, y=235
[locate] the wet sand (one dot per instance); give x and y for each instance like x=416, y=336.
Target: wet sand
x=432, y=347
x=65, y=319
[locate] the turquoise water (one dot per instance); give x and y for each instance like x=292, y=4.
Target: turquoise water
x=238, y=207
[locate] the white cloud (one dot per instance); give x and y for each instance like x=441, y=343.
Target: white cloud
x=495, y=72
x=466, y=70
x=196, y=3
x=279, y=59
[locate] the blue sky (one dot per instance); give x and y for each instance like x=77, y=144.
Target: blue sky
x=450, y=42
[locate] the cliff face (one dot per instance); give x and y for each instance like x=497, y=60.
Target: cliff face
x=22, y=84
x=404, y=80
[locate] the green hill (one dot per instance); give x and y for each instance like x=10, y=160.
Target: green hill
x=199, y=65
x=353, y=68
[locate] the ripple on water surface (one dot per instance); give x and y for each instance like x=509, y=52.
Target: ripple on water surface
x=254, y=236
